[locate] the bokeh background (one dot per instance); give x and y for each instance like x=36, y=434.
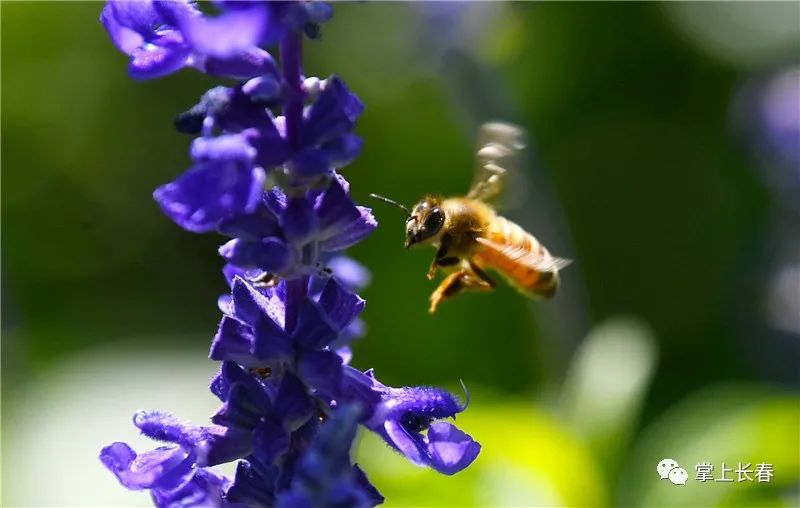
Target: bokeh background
x=664, y=160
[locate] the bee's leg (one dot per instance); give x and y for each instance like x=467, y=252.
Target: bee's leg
x=450, y=286
x=441, y=258
x=457, y=282
x=432, y=270
x=482, y=275
x=438, y=263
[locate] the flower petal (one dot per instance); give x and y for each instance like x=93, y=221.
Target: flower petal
x=265, y=312
x=232, y=110
x=250, y=226
x=360, y=388
x=227, y=35
x=343, y=150
x=356, y=329
x=293, y=404
x=313, y=330
x=224, y=302
x=224, y=445
x=210, y=445
x=374, y=497
x=204, y=489
x=233, y=342
x=164, y=55
x=165, y=427
x=253, y=484
x=310, y=161
x=404, y=442
x=324, y=475
x=405, y=414
x=450, y=450
x=333, y=114
x=250, y=306
x=126, y=28
x=336, y=210
x=340, y=305
x=239, y=411
x=271, y=440
x=166, y=467
x=174, y=12
x=318, y=12
x=209, y=192
x=299, y=221
x=227, y=147
x=252, y=63
x=255, y=396
x=263, y=87
x=271, y=345
x=322, y=371
x=270, y=254
x=353, y=233
x=345, y=353
x=349, y=272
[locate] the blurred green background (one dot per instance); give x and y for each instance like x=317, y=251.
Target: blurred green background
x=664, y=343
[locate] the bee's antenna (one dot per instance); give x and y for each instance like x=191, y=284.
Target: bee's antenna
x=392, y=202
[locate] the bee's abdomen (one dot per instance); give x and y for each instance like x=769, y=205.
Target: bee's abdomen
x=537, y=282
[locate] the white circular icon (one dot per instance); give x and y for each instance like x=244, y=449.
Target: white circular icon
x=678, y=476
x=664, y=467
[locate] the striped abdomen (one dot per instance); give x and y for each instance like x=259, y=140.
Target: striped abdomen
x=519, y=257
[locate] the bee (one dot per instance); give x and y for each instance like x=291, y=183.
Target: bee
x=470, y=237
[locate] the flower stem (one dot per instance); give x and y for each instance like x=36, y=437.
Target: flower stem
x=296, y=292
x=291, y=61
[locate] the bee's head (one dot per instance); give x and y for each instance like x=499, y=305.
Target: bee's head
x=425, y=222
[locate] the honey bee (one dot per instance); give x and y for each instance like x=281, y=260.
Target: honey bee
x=471, y=237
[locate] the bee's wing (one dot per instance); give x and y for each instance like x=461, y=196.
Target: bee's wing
x=497, y=159
x=538, y=262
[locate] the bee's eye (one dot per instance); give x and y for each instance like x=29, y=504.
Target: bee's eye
x=435, y=221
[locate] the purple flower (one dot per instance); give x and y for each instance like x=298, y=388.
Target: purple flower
x=168, y=472
x=206, y=489
x=325, y=138
x=140, y=31
x=765, y=114
x=230, y=172
x=223, y=181
x=230, y=111
x=281, y=18
x=229, y=34
x=289, y=237
x=266, y=412
x=349, y=272
x=257, y=332
x=324, y=476
x=408, y=419
x=264, y=175
x=162, y=37
x=165, y=468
